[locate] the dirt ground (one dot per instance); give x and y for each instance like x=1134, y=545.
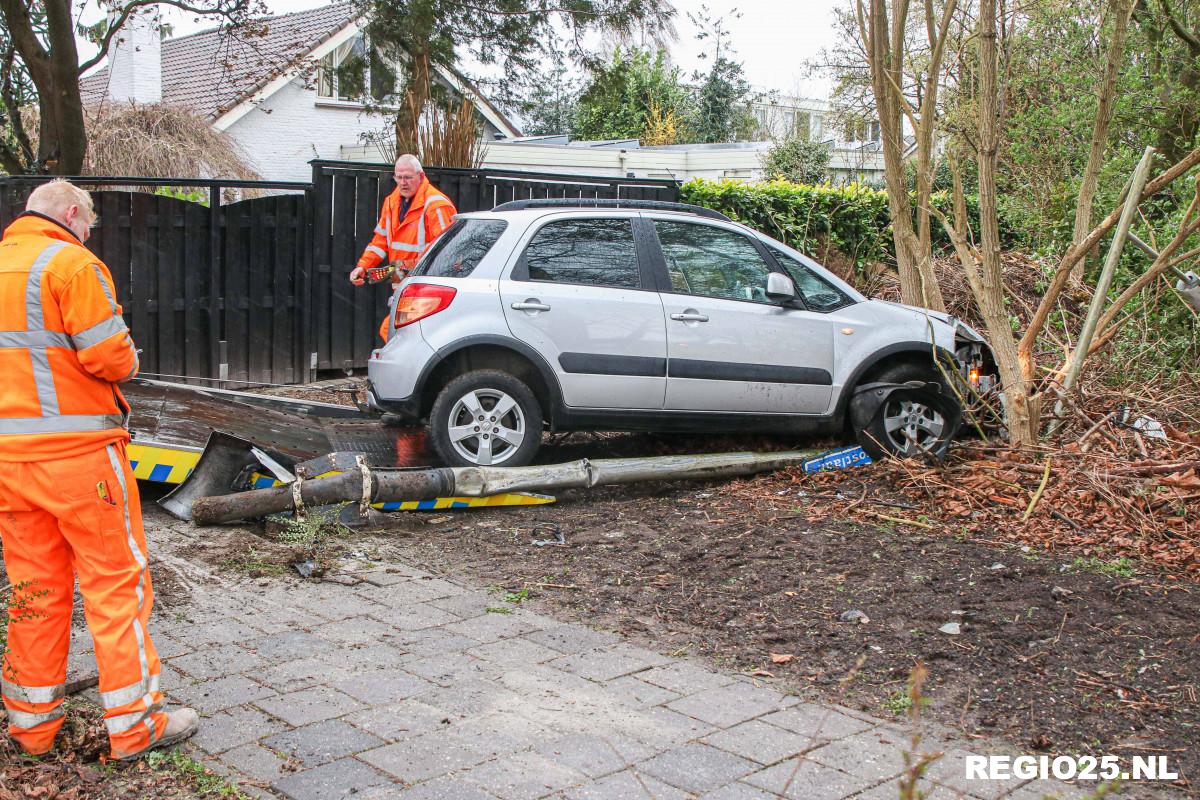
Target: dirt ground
x=1059, y=651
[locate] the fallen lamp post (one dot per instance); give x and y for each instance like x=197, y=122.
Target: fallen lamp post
x=366, y=485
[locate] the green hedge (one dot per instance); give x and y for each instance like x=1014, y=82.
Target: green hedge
x=854, y=218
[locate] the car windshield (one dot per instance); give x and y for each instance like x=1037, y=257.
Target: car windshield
x=460, y=249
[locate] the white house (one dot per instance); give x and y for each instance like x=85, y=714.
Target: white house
x=280, y=96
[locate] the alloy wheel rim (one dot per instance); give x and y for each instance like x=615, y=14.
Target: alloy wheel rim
x=486, y=427
x=912, y=427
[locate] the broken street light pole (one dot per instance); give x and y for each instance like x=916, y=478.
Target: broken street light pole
x=366, y=485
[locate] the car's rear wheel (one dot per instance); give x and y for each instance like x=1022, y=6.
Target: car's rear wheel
x=486, y=418
x=910, y=421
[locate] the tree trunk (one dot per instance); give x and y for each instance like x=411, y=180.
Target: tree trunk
x=1121, y=11
x=1022, y=413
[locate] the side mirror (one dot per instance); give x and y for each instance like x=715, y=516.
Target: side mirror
x=780, y=288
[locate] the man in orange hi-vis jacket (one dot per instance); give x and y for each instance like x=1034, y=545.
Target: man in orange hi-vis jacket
x=68, y=499
x=412, y=218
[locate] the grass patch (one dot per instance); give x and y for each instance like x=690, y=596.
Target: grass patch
x=1117, y=568
x=198, y=777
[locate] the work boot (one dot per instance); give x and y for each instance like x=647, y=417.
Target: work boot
x=181, y=723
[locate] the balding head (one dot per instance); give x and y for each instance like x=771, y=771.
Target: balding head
x=66, y=204
x=408, y=174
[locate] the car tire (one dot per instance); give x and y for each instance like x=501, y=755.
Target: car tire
x=462, y=439
x=910, y=422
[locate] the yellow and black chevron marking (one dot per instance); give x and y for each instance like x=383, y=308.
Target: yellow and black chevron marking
x=161, y=464
x=171, y=465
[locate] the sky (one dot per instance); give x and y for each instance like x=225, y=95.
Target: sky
x=772, y=38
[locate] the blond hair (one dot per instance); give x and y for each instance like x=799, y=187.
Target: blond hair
x=54, y=198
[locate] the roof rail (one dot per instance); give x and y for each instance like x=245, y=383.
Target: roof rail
x=591, y=202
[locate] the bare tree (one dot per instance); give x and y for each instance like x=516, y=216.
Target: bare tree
x=1120, y=11
x=883, y=30
x=40, y=43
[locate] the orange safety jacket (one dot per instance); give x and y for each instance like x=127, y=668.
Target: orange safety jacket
x=63, y=346
x=402, y=241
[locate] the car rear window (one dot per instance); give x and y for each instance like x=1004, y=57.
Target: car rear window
x=459, y=250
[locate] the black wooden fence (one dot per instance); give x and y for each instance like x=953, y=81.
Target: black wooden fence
x=255, y=290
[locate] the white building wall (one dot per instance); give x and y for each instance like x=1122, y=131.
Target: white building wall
x=291, y=127
x=135, y=61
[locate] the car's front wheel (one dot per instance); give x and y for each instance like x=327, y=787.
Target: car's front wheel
x=910, y=421
x=486, y=418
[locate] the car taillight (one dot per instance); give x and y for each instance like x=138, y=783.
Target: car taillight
x=420, y=300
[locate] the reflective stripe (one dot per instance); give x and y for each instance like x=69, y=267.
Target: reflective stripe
x=24, y=720
x=379, y=251
x=34, y=339
x=125, y=722
x=138, y=633
x=421, y=233
x=380, y=230
x=33, y=287
x=99, y=332
x=126, y=695
x=441, y=218
x=112, y=304
x=43, y=379
x=33, y=694
x=405, y=248
x=64, y=423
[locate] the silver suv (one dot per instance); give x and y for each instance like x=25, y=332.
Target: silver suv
x=628, y=315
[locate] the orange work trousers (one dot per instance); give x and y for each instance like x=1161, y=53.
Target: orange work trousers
x=60, y=519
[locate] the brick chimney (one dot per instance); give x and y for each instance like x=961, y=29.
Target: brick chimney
x=135, y=59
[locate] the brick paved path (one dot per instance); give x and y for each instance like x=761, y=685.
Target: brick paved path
x=404, y=685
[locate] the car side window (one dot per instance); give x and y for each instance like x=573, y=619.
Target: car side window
x=586, y=252
x=460, y=249
x=712, y=262
x=818, y=294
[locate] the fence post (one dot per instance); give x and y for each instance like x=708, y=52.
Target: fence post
x=214, y=280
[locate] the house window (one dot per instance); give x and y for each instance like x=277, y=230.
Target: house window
x=862, y=130
x=355, y=72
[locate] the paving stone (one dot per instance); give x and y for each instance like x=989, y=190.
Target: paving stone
x=595, y=755
x=638, y=692
x=389, y=576
x=684, y=677
x=281, y=619
x=424, y=757
x=344, y=778
x=288, y=645
x=741, y=791
x=728, y=705
x=434, y=642
x=322, y=742
x=516, y=652
x=357, y=658
x=502, y=732
x=675, y=727
x=356, y=630
x=467, y=604
x=409, y=593
x=383, y=686
x=255, y=762
x=609, y=662
x=802, y=779
x=472, y=697
x=169, y=646
x=816, y=722
x=951, y=770
x=890, y=790
x=759, y=742
x=862, y=754
x=437, y=789
x=697, y=767
x=292, y=675
x=1057, y=790
x=627, y=785
x=444, y=670
x=310, y=705
x=492, y=627
x=525, y=776
x=401, y=721
x=573, y=638
x=212, y=661
x=229, y=630
x=341, y=604
x=219, y=694
x=416, y=617
x=234, y=727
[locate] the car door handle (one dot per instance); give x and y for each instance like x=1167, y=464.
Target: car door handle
x=532, y=304
x=690, y=316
